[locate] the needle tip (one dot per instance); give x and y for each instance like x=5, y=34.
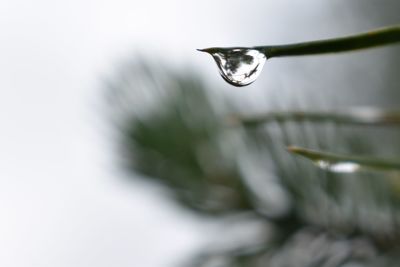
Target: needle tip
x=293, y=149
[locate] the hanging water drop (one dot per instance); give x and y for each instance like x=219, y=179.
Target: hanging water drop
x=238, y=66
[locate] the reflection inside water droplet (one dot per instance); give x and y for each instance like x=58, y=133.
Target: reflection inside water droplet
x=238, y=66
x=342, y=167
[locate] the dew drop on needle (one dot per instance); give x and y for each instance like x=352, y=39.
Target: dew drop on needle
x=238, y=66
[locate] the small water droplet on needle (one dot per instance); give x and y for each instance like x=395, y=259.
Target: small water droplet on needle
x=339, y=167
x=238, y=66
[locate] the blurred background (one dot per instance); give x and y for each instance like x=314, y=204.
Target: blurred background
x=114, y=148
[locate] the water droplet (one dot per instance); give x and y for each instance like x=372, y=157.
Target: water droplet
x=238, y=66
x=346, y=163
x=341, y=167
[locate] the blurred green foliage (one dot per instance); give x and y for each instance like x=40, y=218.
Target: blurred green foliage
x=179, y=147
x=174, y=131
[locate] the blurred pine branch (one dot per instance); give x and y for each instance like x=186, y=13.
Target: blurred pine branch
x=315, y=218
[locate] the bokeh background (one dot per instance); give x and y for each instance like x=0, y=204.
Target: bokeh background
x=66, y=196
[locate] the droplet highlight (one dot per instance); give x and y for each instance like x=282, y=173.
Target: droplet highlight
x=238, y=66
x=339, y=167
